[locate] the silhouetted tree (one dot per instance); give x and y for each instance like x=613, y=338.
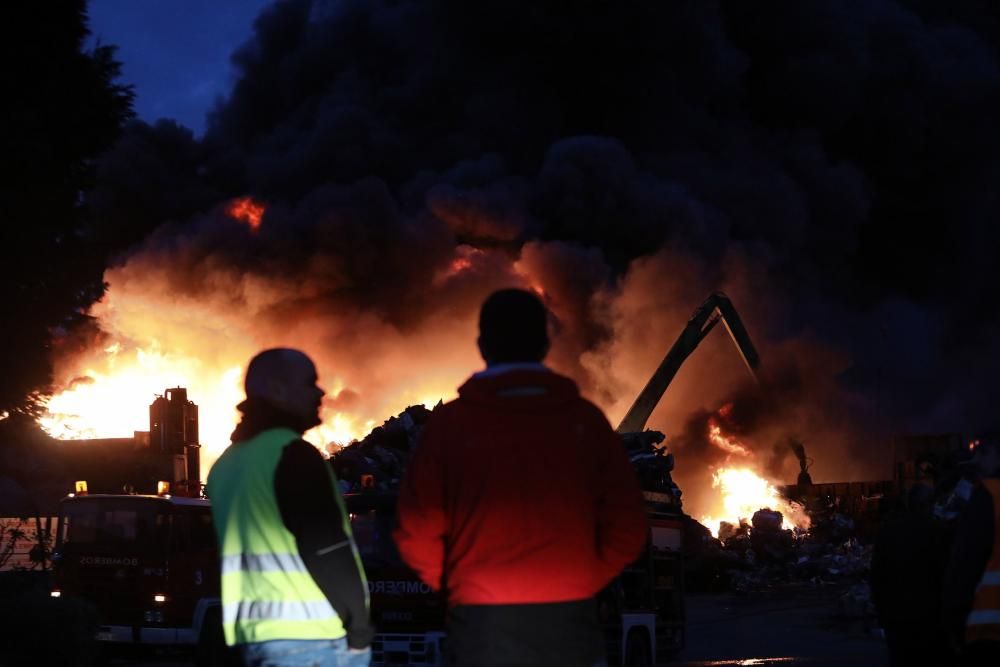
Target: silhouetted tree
x=62, y=106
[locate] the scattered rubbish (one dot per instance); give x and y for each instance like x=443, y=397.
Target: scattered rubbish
x=753, y=555
x=378, y=461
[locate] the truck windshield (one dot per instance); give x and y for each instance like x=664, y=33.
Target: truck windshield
x=113, y=524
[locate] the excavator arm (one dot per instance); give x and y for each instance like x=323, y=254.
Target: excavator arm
x=715, y=308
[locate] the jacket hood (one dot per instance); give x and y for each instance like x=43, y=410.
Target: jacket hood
x=521, y=389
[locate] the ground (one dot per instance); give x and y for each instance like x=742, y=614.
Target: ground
x=780, y=629
x=800, y=628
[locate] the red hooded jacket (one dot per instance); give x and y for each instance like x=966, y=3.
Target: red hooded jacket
x=519, y=492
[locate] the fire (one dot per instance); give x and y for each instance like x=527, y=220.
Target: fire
x=247, y=211
x=728, y=443
x=111, y=398
x=742, y=490
x=466, y=259
x=743, y=493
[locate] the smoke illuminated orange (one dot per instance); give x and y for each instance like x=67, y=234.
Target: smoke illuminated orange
x=247, y=211
x=727, y=443
x=111, y=399
x=157, y=338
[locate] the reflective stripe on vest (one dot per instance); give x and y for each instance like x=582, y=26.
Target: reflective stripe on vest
x=267, y=591
x=252, y=610
x=262, y=563
x=983, y=623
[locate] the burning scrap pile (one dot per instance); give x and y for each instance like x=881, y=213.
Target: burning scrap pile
x=379, y=459
x=762, y=554
x=750, y=533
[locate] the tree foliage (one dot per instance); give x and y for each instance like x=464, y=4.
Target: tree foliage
x=63, y=106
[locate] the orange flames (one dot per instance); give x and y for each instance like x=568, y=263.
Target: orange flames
x=726, y=443
x=742, y=490
x=112, y=395
x=247, y=211
x=156, y=338
x=743, y=493
x=466, y=258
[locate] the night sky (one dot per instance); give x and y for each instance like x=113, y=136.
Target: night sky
x=175, y=52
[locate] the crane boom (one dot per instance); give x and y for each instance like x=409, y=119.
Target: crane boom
x=716, y=307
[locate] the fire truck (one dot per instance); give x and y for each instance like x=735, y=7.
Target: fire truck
x=148, y=563
x=409, y=616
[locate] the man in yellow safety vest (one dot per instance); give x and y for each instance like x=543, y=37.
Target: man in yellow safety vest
x=293, y=589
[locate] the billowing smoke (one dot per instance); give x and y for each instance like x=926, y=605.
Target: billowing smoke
x=828, y=165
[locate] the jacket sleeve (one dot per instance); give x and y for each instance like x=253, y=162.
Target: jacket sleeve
x=312, y=512
x=622, y=525
x=421, y=524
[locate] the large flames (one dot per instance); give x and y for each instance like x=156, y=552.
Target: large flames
x=111, y=397
x=155, y=338
x=742, y=490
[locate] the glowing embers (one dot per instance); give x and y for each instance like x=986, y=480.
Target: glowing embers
x=247, y=211
x=465, y=259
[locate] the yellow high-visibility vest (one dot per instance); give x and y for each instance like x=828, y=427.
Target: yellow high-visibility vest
x=267, y=592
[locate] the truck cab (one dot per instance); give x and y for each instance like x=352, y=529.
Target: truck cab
x=409, y=616
x=642, y=610
x=148, y=563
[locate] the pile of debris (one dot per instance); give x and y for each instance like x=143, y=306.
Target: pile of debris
x=759, y=555
x=377, y=462
x=653, y=463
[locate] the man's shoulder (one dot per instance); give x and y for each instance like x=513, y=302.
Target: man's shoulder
x=303, y=451
x=446, y=411
x=589, y=412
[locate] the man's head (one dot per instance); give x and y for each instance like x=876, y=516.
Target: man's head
x=286, y=379
x=513, y=328
x=986, y=455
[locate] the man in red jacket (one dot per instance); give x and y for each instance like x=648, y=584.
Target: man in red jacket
x=520, y=503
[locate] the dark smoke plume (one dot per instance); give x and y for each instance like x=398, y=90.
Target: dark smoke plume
x=830, y=164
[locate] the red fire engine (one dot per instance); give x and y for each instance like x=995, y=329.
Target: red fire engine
x=148, y=563
x=150, y=566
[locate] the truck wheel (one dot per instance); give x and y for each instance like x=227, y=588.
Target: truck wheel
x=212, y=649
x=637, y=650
